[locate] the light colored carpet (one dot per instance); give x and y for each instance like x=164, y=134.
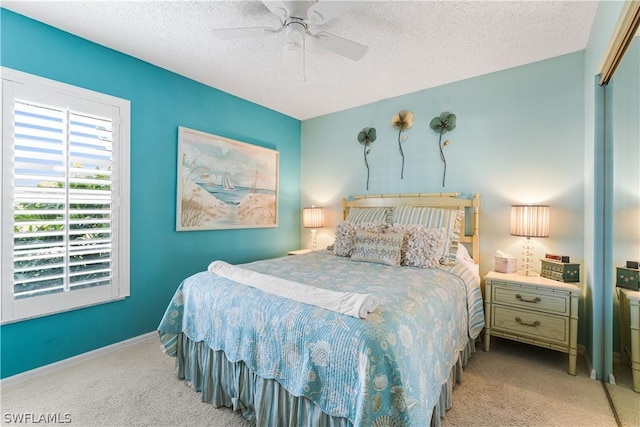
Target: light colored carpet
x=521, y=385
x=627, y=402
x=512, y=385
x=136, y=386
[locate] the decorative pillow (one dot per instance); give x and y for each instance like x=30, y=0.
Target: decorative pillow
x=345, y=239
x=422, y=247
x=425, y=246
x=381, y=248
x=455, y=236
x=346, y=235
x=359, y=215
x=449, y=219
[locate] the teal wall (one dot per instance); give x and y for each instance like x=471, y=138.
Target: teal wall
x=160, y=257
x=519, y=138
x=598, y=303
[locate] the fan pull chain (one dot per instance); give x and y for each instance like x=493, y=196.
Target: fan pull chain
x=304, y=59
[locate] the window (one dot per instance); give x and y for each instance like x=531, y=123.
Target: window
x=65, y=197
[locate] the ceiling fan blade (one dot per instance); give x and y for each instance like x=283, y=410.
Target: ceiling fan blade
x=325, y=11
x=278, y=8
x=337, y=44
x=241, y=33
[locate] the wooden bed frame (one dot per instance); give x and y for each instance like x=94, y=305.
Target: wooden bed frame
x=437, y=200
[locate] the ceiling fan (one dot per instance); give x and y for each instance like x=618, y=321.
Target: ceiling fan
x=298, y=18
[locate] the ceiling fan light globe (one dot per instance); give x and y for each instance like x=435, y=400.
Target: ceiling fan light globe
x=292, y=46
x=295, y=32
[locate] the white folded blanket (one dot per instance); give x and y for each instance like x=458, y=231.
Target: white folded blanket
x=350, y=303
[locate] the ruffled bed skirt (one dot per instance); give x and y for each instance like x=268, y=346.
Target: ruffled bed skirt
x=264, y=401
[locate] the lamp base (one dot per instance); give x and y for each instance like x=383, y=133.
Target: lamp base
x=527, y=252
x=529, y=273
x=314, y=239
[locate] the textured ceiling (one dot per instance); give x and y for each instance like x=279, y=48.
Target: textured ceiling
x=413, y=45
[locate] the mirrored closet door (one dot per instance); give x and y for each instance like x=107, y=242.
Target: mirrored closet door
x=622, y=128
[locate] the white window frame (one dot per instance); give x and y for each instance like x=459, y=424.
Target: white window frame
x=12, y=310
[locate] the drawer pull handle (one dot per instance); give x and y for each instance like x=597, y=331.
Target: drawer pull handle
x=534, y=300
x=534, y=324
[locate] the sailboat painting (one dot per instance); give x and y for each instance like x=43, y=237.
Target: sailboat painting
x=223, y=183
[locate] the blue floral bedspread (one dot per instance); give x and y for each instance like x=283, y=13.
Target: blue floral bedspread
x=383, y=370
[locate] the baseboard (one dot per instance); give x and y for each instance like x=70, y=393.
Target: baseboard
x=582, y=352
x=65, y=363
x=616, y=361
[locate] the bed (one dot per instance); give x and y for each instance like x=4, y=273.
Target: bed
x=284, y=362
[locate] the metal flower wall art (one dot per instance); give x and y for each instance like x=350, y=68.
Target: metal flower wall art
x=402, y=121
x=445, y=122
x=366, y=137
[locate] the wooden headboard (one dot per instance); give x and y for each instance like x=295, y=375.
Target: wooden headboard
x=437, y=200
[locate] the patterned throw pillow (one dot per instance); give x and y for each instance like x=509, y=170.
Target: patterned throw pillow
x=346, y=235
x=449, y=219
x=381, y=248
x=345, y=239
x=424, y=246
x=360, y=215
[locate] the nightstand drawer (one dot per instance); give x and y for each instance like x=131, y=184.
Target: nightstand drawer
x=533, y=300
x=531, y=324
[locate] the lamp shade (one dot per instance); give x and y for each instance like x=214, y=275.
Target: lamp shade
x=313, y=217
x=530, y=220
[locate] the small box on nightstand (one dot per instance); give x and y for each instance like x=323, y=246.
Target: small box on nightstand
x=628, y=278
x=560, y=271
x=505, y=264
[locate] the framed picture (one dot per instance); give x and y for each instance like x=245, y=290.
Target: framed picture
x=224, y=184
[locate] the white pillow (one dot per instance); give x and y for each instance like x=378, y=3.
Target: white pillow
x=463, y=254
x=464, y=258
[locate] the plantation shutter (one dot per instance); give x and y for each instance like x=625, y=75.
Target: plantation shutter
x=65, y=197
x=62, y=200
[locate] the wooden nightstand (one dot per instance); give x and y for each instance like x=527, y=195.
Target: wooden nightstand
x=533, y=310
x=630, y=332
x=300, y=252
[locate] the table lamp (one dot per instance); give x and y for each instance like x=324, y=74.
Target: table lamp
x=313, y=218
x=529, y=221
